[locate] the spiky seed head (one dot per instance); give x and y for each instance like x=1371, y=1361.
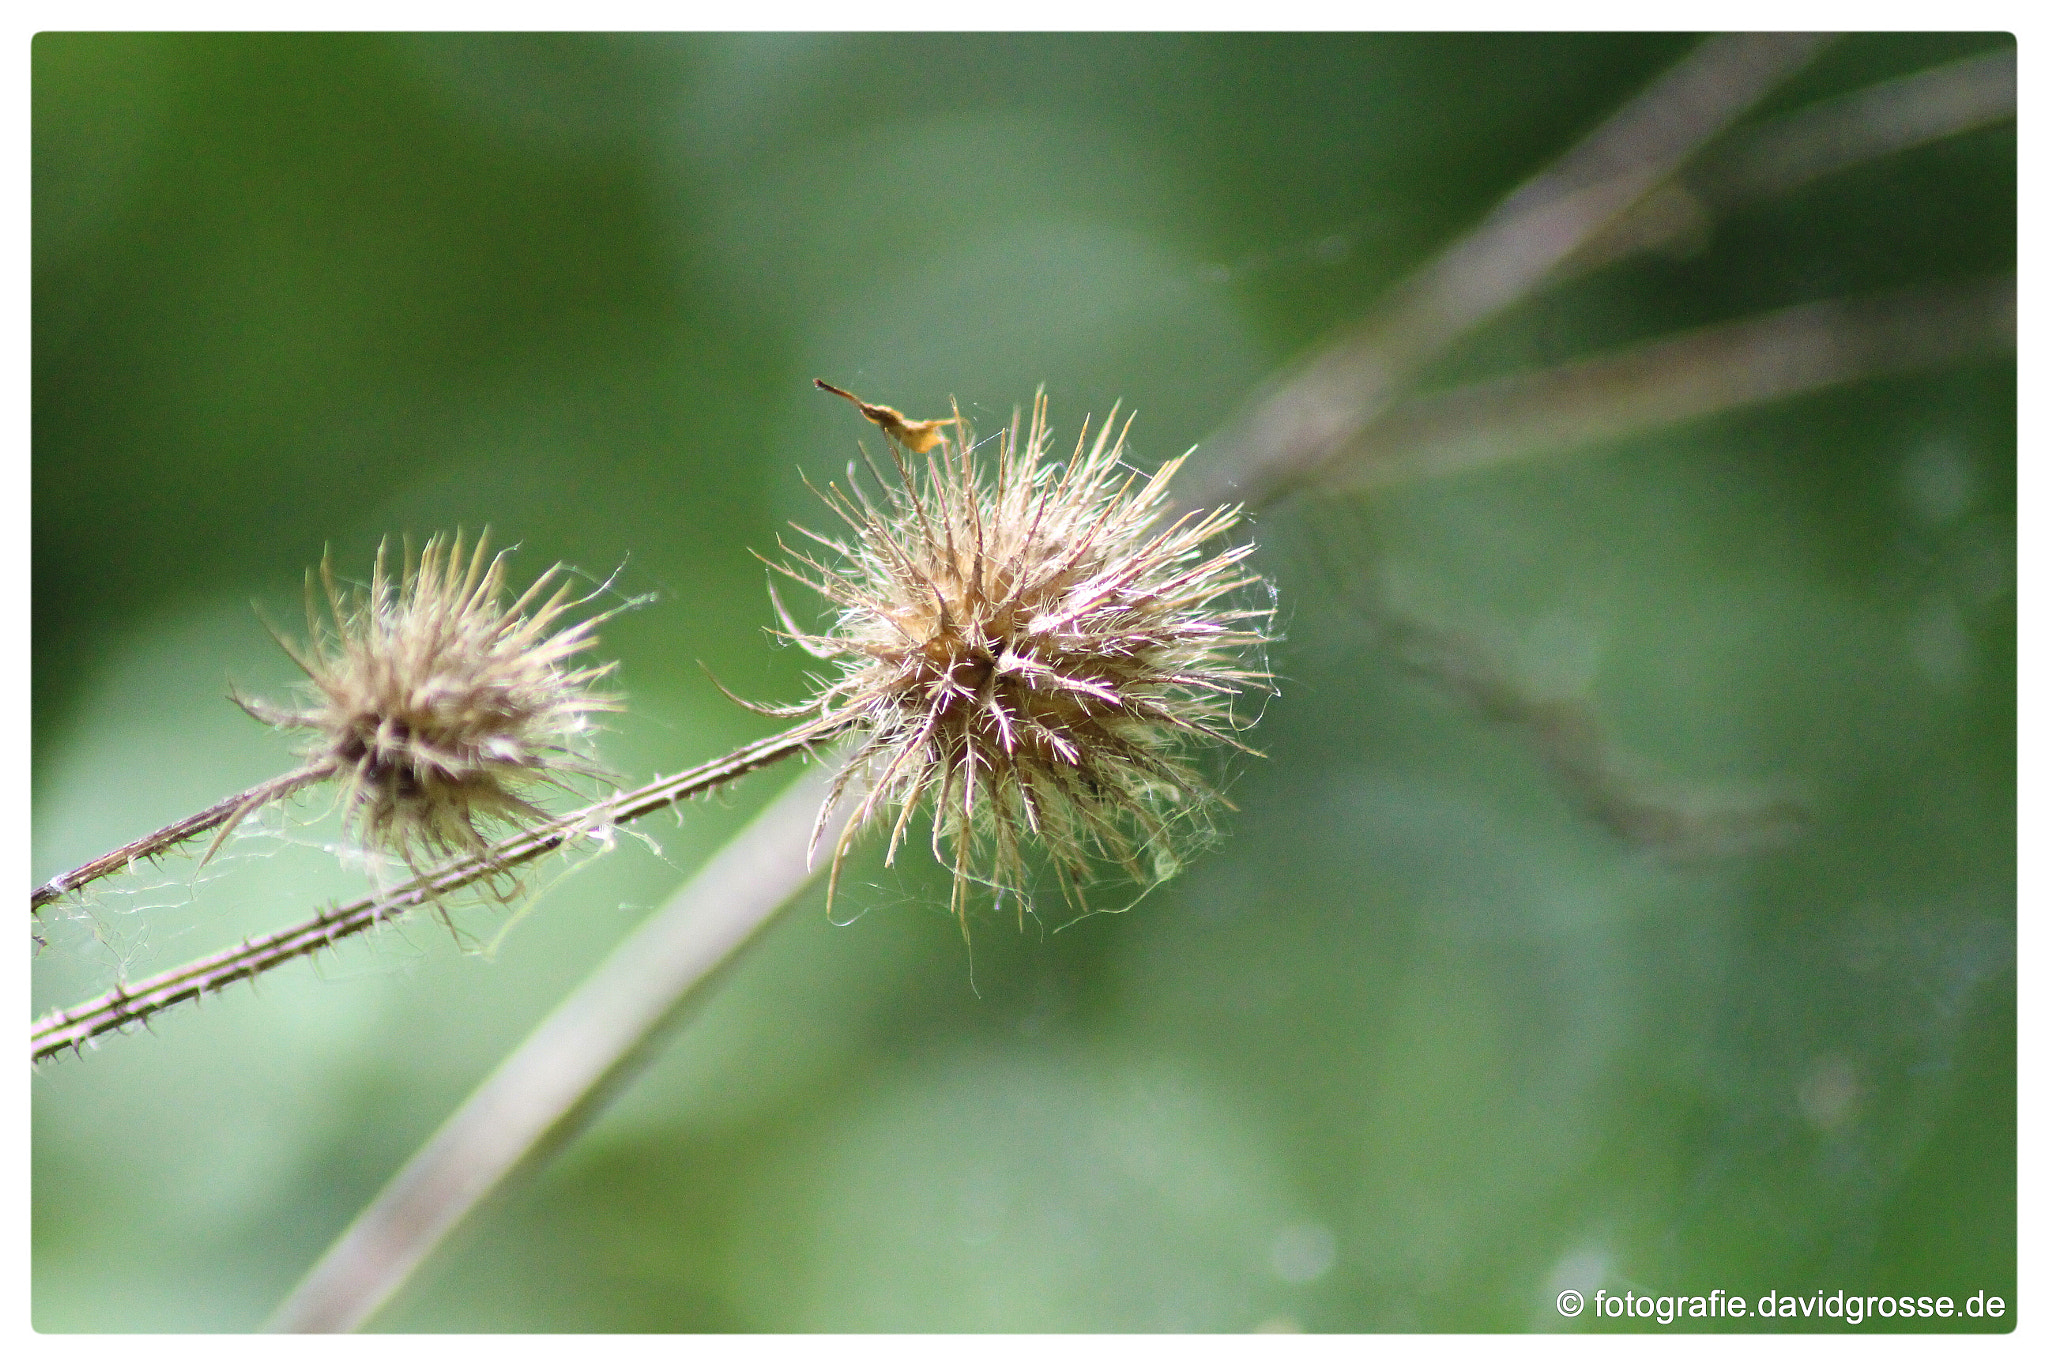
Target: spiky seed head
x=436, y=703
x=1033, y=648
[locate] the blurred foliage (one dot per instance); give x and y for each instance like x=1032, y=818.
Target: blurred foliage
x=1417, y=1046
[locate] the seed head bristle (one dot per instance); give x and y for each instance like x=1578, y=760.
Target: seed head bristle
x=435, y=703
x=1024, y=644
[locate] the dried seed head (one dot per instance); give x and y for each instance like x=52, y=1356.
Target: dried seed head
x=435, y=703
x=1025, y=644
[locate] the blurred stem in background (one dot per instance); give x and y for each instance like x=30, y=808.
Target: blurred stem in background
x=1784, y=154
x=567, y=1067
x=1677, y=379
x=1334, y=424
x=1309, y=415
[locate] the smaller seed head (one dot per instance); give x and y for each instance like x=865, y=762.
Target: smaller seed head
x=435, y=703
x=1026, y=645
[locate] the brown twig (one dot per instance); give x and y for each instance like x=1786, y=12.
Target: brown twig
x=1832, y=135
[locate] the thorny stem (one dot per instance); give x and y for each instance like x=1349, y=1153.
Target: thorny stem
x=134, y=1002
x=171, y=835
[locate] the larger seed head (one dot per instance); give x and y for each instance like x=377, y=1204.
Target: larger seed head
x=1026, y=646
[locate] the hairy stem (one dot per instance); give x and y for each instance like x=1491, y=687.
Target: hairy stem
x=131, y=1003
x=221, y=813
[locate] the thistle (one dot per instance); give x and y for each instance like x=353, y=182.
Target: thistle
x=435, y=704
x=1024, y=644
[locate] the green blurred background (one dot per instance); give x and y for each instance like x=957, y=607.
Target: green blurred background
x=1416, y=1046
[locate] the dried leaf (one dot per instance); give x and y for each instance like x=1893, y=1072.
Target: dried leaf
x=916, y=437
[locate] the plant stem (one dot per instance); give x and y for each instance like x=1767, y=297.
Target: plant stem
x=1675, y=379
x=171, y=835
x=1279, y=442
x=132, y=1003
x=1784, y=154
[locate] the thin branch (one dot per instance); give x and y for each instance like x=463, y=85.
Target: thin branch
x=1878, y=120
x=1321, y=407
x=1787, y=153
x=582, y=1051
x=1679, y=378
x=132, y=1003
x=170, y=836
